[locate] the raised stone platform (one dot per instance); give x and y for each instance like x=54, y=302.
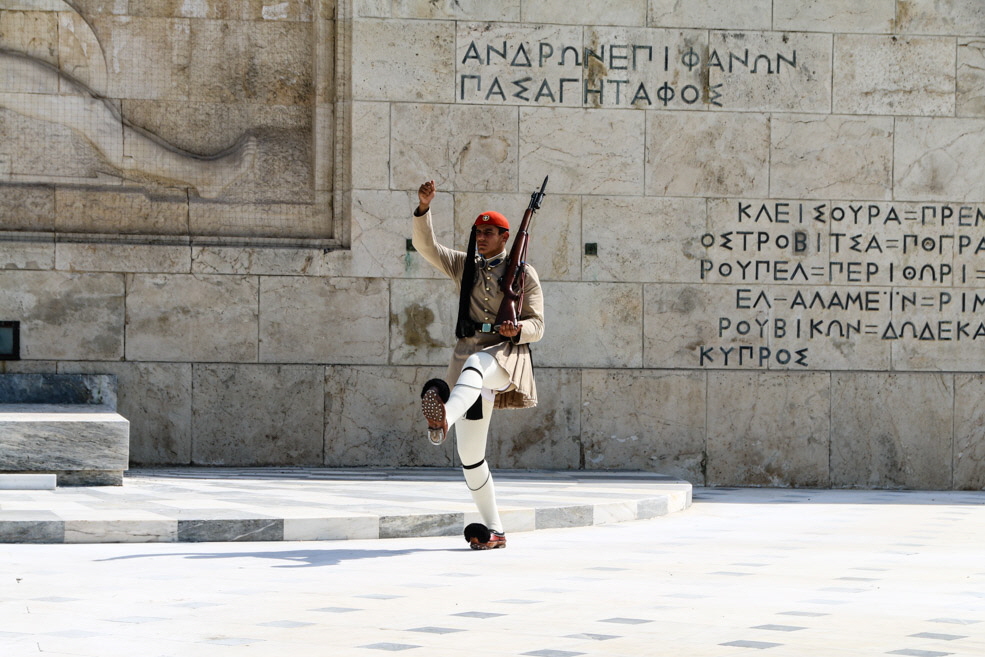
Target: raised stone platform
x=308, y=504
x=63, y=424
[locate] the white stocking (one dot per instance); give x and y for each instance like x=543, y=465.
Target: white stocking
x=479, y=371
x=471, y=437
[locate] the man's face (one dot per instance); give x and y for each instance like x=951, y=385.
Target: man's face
x=489, y=241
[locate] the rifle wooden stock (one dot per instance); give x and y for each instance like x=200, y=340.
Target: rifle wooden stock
x=513, y=279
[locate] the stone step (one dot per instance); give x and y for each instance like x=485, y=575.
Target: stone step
x=83, y=444
x=317, y=504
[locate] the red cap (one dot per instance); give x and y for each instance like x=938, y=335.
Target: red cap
x=492, y=219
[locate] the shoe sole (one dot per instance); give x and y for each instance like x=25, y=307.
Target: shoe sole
x=434, y=412
x=490, y=545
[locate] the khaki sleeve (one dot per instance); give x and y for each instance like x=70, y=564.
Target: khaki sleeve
x=448, y=261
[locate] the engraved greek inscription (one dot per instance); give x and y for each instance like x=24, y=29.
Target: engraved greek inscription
x=746, y=355
x=521, y=58
x=864, y=301
x=632, y=67
x=754, y=270
x=869, y=272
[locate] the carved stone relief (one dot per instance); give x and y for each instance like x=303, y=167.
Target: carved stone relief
x=224, y=113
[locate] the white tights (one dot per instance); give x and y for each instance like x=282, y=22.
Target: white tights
x=481, y=375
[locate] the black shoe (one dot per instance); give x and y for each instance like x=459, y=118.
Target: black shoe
x=481, y=537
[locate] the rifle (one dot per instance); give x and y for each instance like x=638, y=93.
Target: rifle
x=513, y=279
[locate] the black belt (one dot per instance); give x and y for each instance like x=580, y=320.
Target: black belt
x=484, y=328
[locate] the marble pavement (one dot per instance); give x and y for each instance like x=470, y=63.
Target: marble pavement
x=766, y=572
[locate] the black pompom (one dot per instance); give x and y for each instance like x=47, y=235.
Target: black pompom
x=479, y=531
x=441, y=387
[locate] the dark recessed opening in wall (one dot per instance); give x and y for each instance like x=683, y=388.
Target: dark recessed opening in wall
x=10, y=340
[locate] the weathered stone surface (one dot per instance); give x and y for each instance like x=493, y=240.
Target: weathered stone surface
x=371, y=8
x=132, y=50
x=156, y=398
x=371, y=151
x=65, y=316
x=696, y=153
x=586, y=12
x=892, y=75
x=181, y=317
x=682, y=327
x=81, y=210
x=939, y=159
x=269, y=62
x=831, y=157
x=768, y=429
x=969, y=432
x=381, y=69
x=604, y=152
x=270, y=262
x=206, y=128
x=461, y=147
x=667, y=251
x=970, y=100
x=373, y=417
x=714, y=14
x=891, y=430
x=873, y=16
x=258, y=220
x=313, y=320
x=93, y=7
x=615, y=313
x=644, y=420
x=940, y=16
x=27, y=251
x=546, y=436
x=381, y=225
x=58, y=389
x=423, y=314
x=769, y=71
x=80, y=54
x=257, y=414
x=28, y=207
x=66, y=158
x=473, y=10
x=29, y=32
x=129, y=257
x=251, y=10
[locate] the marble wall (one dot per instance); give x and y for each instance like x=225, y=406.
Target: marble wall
x=762, y=247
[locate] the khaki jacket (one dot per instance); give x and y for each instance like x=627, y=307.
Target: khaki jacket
x=513, y=355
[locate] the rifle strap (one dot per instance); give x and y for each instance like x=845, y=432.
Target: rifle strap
x=465, y=327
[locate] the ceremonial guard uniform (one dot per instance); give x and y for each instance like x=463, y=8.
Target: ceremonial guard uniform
x=489, y=368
